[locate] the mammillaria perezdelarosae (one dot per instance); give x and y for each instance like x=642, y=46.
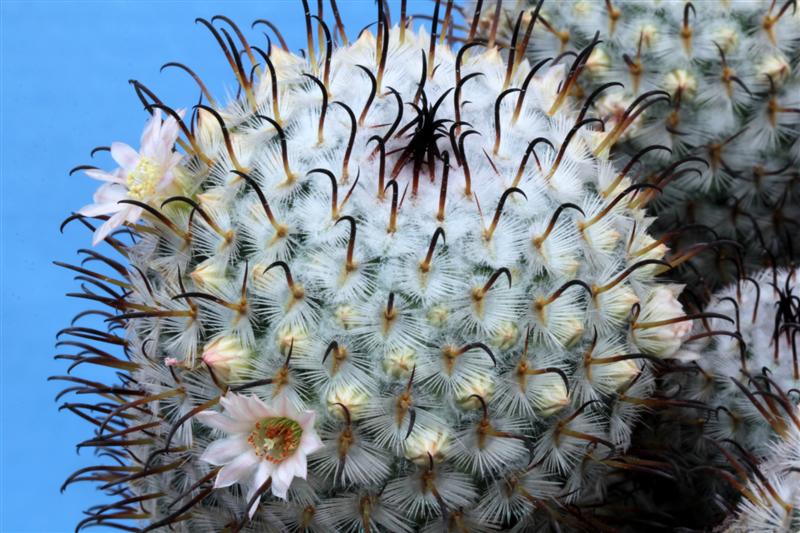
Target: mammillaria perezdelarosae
x=386, y=288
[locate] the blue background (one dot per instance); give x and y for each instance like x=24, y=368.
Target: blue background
x=65, y=71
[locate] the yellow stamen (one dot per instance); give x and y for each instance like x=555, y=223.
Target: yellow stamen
x=142, y=182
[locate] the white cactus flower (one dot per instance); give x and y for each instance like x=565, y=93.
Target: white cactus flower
x=263, y=442
x=143, y=176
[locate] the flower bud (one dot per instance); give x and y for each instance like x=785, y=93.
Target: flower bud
x=437, y=316
x=209, y=274
x=207, y=132
x=727, y=38
x=211, y=199
x=617, y=375
x=598, y=61
x=551, y=395
x=226, y=356
x=680, y=81
x=572, y=331
x=425, y=442
x=648, y=33
x=294, y=337
x=612, y=107
x=615, y=304
x=775, y=67
x=506, y=336
x=345, y=316
x=482, y=386
x=399, y=363
x=582, y=8
x=644, y=241
x=654, y=332
x=353, y=398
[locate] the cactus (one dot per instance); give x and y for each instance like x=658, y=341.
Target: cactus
x=731, y=74
x=386, y=288
x=733, y=404
x=771, y=498
x=756, y=353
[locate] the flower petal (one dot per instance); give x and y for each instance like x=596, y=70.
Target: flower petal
x=151, y=133
x=258, y=408
x=224, y=451
x=174, y=159
x=104, y=208
x=102, y=175
x=221, y=422
x=284, y=408
x=125, y=156
x=285, y=472
x=169, y=131
x=238, y=469
x=299, y=464
x=110, y=192
x=250, y=408
x=236, y=406
x=261, y=475
x=306, y=419
x=279, y=486
x=134, y=213
x=166, y=179
x=310, y=441
x=109, y=225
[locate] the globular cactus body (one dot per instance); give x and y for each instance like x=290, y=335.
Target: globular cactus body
x=387, y=289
